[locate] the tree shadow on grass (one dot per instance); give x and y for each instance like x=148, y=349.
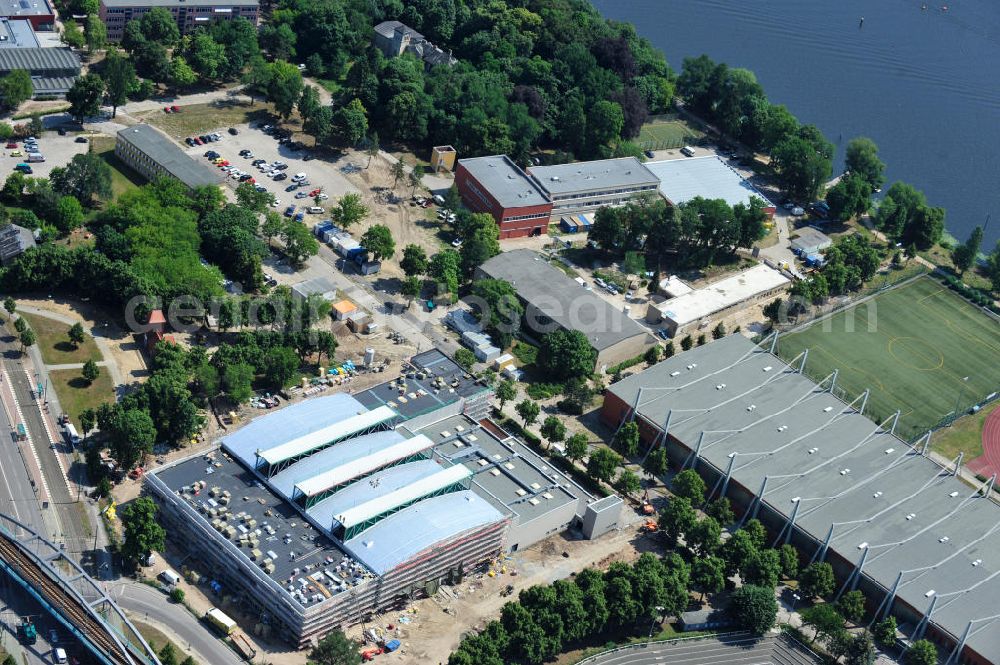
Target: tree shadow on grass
x=64, y=347
x=79, y=383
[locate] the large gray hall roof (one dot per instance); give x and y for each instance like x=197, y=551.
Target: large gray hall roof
x=39, y=60
x=844, y=469
x=554, y=294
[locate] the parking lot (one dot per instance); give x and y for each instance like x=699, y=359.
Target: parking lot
x=321, y=172
x=58, y=150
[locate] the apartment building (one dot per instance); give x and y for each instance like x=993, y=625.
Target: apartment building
x=190, y=14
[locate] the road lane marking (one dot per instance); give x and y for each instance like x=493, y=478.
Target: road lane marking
x=27, y=433
x=52, y=439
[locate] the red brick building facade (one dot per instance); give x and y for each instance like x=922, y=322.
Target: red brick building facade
x=497, y=186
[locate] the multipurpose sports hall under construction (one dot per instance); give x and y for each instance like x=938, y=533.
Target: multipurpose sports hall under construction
x=921, y=543
x=341, y=506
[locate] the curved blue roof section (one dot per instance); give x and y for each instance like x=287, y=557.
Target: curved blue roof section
x=330, y=458
x=402, y=536
x=376, y=485
x=278, y=427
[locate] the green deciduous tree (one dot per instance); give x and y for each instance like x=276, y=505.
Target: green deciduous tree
x=300, y=243
x=704, y=536
x=763, y=569
x=95, y=33
x=76, y=334
x=565, y=354
x=90, y=371
x=655, y=463
x=754, y=608
x=414, y=261
x=68, y=214
x=817, y=580
x=181, y=74
x=677, y=518
x=789, y=561
x=350, y=122
x=824, y=619
x=884, y=632
x=87, y=175
x=465, y=358
x=528, y=410
x=15, y=88
x=921, y=652
x=688, y=484
x=237, y=381
x=721, y=509
x=851, y=196
x=708, y=575
x=284, y=87
x=85, y=96
x=737, y=552
x=964, y=255
x=626, y=439
x=627, y=482
x=553, y=430
x=350, y=210
x=27, y=338
x=335, y=649
x=852, y=606
x=862, y=159
x=378, y=242
x=602, y=464
x=499, y=310
x=576, y=446
x=142, y=532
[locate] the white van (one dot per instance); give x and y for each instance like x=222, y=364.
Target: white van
x=687, y=151
x=314, y=210
x=169, y=577
x=59, y=656
x=299, y=176
x=438, y=199
x=71, y=435
x=36, y=157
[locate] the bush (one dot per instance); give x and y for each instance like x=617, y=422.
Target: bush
x=538, y=391
x=176, y=595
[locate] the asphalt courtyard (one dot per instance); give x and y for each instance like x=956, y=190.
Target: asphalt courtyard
x=739, y=649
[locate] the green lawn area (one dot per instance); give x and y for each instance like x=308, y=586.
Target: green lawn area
x=965, y=435
x=53, y=342
x=75, y=395
x=919, y=347
x=123, y=178
x=666, y=134
x=202, y=118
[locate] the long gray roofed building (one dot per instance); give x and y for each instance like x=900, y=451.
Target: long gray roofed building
x=581, y=186
x=314, y=522
x=556, y=301
x=841, y=487
x=153, y=154
x=53, y=70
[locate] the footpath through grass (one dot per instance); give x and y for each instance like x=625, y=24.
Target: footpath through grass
x=920, y=348
x=53, y=342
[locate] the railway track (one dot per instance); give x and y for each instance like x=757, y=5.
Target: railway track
x=63, y=602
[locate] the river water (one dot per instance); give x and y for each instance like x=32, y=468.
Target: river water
x=921, y=82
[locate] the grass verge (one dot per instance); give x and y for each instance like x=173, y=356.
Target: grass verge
x=76, y=395
x=123, y=178
x=53, y=342
x=965, y=435
x=197, y=119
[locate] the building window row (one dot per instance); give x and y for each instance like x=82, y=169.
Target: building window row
x=475, y=190
x=584, y=195
x=534, y=215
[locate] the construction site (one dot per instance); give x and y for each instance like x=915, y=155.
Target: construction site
x=326, y=512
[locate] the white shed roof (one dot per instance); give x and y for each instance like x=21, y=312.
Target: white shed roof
x=404, y=495
x=338, y=430
x=376, y=460
x=721, y=294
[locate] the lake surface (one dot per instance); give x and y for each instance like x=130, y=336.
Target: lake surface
x=922, y=83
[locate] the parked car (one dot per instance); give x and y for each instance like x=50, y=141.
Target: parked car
x=289, y=211
x=24, y=168
x=300, y=195
x=650, y=154
x=322, y=197
x=11, y=144
x=292, y=187
x=300, y=216
x=279, y=166
x=261, y=188
x=280, y=177
x=80, y=139
x=233, y=131
x=258, y=162
x=315, y=210
x=175, y=109
x=15, y=153
x=166, y=109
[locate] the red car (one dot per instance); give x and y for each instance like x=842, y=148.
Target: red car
x=316, y=192
x=224, y=162
x=11, y=145
x=166, y=109
x=175, y=109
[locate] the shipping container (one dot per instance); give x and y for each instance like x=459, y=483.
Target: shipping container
x=220, y=621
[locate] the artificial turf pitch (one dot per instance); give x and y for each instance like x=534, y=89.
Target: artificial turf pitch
x=913, y=346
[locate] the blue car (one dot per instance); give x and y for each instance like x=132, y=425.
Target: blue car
x=299, y=217
x=289, y=211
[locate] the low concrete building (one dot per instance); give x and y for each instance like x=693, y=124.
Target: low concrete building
x=809, y=240
x=708, y=177
x=698, y=309
x=14, y=240
x=38, y=12
x=317, y=286
x=153, y=155
x=552, y=301
x=189, y=16
x=585, y=186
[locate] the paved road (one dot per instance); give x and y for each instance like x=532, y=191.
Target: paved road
x=148, y=605
x=770, y=650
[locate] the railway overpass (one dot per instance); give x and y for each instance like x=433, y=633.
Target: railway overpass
x=70, y=596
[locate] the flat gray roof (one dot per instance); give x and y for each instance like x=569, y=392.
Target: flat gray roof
x=708, y=177
x=17, y=34
x=586, y=176
x=809, y=236
x=844, y=470
x=295, y=543
x=40, y=61
x=505, y=181
x=179, y=3
x=555, y=295
x=162, y=150
x=24, y=8
x=506, y=471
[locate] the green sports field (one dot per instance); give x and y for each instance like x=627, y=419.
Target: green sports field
x=913, y=346
x=664, y=134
